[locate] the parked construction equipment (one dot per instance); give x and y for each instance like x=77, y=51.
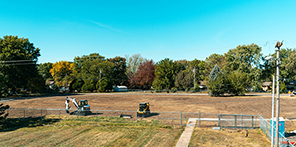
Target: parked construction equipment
x=143, y=109
x=82, y=106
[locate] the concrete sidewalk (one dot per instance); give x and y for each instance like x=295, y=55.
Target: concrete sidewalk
x=187, y=133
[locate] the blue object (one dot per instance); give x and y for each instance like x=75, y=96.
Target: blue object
x=281, y=126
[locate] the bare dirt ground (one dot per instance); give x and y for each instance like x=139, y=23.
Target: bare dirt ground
x=168, y=102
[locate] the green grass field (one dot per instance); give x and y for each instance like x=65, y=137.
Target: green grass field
x=70, y=132
x=208, y=137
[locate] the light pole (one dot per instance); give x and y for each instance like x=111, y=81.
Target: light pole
x=271, y=59
x=278, y=46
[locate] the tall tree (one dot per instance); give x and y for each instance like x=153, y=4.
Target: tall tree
x=145, y=75
x=43, y=70
x=19, y=57
x=133, y=62
x=165, y=74
x=211, y=61
x=244, y=58
x=181, y=65
x=216, y=82
x=92, y=69
x=119, y=71
x=184, y=79
x=61, y=72
x=236, y=82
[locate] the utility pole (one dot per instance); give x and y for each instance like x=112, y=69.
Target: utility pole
x=272, y=111
x=278, y=46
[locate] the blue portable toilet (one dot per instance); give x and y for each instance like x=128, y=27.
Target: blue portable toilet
x=281, y=126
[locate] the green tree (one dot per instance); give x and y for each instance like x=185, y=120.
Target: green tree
x=244, y=58
x=216, y=82
x=43, y=70
x=165, y=74
x=211, y=61
x=76, y=84
x=3, y=85
x=90, y=68
x=288, y=64
x=2, y=112
x=119, y=70
x=184, y=79
x=19, y=58
x=236, y=82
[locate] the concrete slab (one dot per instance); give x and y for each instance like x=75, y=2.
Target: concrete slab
x=187, y=133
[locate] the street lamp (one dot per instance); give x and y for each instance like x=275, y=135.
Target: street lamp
x=271, y=59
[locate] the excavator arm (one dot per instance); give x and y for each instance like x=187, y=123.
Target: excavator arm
x=74, y=101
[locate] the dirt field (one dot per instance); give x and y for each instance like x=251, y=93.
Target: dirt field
x=168, y=102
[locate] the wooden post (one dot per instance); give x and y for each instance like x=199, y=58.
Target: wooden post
x=180, y=117
x=199, y=118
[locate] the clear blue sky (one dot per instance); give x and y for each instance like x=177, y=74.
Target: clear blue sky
x=155, y=29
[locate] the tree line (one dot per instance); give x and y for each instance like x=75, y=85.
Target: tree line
x=234, y=72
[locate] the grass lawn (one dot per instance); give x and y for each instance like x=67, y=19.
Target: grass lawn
x=70, y=132
x=208, y=137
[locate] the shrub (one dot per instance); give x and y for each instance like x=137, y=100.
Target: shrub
x=174, y=89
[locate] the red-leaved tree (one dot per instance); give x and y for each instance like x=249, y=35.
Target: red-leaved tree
x=145, y=75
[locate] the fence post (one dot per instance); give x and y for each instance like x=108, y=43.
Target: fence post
x=180, y=117
x=116, y=115
x=24, y=112
x=157, y=116
x=97, y=114
x=41, y=113
x=241, y=120
x=235, y=121
x=252, y=122
x=256, y=119
x=219, y=124
x=59, y=113
x=137, y=116
x=198, y=118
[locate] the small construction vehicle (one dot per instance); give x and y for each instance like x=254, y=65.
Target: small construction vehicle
x=143, y=109
x=82, y=106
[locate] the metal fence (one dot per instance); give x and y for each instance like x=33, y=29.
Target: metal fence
x=123, y=116
x=266, y=127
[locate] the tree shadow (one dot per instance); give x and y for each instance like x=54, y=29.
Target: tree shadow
x=12, y=124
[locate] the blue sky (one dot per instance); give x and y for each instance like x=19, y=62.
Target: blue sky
x=155, y=29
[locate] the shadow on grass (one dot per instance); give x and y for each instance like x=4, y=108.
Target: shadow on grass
x=84, y=114
x=149, y=115
x=12, y=124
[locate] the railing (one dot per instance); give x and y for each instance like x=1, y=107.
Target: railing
x=266, y=128
x=169, y=118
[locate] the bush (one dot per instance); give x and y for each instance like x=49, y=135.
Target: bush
x=195, y=89
x=158, y=89
x=187, y=89
x=174, y=89
x=166, y=90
